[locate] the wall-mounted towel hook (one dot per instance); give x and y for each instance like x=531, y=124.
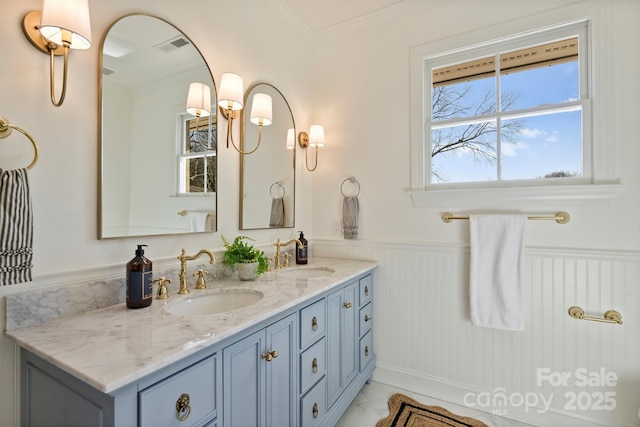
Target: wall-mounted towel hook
x=5, y=131
x=352, y=180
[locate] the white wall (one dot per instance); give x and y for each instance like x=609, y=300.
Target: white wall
x=246, y=37
x=424, y=338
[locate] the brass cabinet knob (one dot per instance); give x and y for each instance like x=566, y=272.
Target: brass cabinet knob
x=269, y=356
x=367, y=318
x=316, y=411
x=366, y=350
x=347, y=305
x=183, y=407
x=314, y=366
x=366, y=291
x=314, y=323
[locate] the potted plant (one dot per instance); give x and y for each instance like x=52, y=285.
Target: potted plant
x=249, y=261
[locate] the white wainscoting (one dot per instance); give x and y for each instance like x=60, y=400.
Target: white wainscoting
x=426, y=343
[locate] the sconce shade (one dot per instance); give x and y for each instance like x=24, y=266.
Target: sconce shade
x=316, y=135
x=261, y=113
x=66, y=21
x=231, y=91
x=199, y=100
x=291, y=139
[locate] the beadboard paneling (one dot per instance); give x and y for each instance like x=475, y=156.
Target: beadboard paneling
x=423, y=328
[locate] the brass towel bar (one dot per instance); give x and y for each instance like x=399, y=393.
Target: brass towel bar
x=610, y=316
x=184, y=212
x=5, y=131
x=560, y=217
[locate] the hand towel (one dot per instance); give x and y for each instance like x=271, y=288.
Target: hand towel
x=495, y=282
x=16, y=228
x=350, y=210
x=277, y=212
x=197, y=220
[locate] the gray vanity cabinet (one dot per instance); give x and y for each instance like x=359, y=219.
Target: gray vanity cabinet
x=259, y=374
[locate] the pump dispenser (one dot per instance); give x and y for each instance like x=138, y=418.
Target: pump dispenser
x=139, y=288
x=301, y=253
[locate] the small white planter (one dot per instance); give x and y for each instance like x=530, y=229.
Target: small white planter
x=248, y=270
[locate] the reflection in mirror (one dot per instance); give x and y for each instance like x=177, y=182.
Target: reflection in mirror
x=157, y=161
x=267, y=177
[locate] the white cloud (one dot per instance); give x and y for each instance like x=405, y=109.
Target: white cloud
x=510, y=149
x=530, y=133
x=554, y=137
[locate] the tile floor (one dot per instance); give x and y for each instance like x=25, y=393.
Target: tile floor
x=370, y=406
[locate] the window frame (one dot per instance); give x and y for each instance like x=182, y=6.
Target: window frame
x=575, y=190
x=182, y=157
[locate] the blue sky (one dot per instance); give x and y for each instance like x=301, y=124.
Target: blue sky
x=546, y=143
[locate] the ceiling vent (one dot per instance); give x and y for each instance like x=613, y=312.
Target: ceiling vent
x=172, y=44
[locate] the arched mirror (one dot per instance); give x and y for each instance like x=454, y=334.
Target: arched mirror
x=157, y=161
x=267, y=176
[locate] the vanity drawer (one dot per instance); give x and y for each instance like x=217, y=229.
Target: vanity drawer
x=366, y=289
x=366, y=350
x=312, y=323
x=312, y=365
x=313, y=406
x=157, y=404
x=366, y=318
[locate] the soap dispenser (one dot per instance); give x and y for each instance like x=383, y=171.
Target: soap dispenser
x=301, y=252
x=139, y=286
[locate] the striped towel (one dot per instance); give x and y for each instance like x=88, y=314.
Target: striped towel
x=277, y=212
x=16, y=227
x=350, y=210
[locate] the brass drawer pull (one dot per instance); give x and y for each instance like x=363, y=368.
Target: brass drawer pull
x=183, y=407
x=314, y=366
x=366, y=291
x=314, y=323
x=366, y=350
x=269, y=356
x=347, y=305
x=315, y=410
x=367, y=318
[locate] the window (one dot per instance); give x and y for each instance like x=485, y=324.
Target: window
x=197, y=156
x=514, y=112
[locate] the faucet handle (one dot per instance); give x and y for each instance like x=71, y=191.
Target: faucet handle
x=200, y=283
x=287, y=259
x=162, y=288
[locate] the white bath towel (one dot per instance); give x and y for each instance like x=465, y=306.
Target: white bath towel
x=495, y=282
x=197, y=220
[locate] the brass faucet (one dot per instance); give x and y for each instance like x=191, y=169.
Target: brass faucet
x=279, y=245
x=183, y=267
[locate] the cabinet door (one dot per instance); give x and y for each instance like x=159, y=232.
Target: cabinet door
x=243, y=383
x=281, y=392
x=342, y=340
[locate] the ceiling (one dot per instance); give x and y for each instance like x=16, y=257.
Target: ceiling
x=319, y=15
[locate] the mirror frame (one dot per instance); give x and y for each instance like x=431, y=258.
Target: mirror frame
x=101, y=124
x=243, y=120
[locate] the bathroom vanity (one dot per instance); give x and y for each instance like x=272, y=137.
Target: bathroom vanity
x=295, y=352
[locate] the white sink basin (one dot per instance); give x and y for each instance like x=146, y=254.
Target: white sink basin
x=306, y=272
x=215, y=303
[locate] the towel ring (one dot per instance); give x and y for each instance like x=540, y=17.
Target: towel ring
x=352, y=180
x=5, y=131
x=279, y=184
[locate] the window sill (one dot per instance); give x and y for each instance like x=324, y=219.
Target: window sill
x=564, y=195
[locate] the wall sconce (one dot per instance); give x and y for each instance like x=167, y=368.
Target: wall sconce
x=199, y=105
x=230, y=102
x=62, y=25
x=314, y=138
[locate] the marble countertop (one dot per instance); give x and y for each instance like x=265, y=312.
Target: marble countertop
x=111, y=347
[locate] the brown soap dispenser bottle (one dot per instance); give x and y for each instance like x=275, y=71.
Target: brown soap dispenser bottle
x=301, y=252
x=139, y=288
